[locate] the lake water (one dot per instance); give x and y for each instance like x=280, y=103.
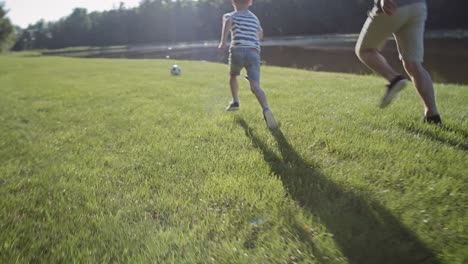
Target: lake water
x=445, y=58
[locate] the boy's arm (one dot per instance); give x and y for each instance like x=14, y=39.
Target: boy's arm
x=259, y=31
x=260, y=35
x=227, y=24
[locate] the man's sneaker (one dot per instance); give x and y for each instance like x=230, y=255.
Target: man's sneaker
x=233, y=106
x=394, y=87
x=435, y=120
x=270, y=119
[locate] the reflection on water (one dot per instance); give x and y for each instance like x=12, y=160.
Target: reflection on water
x=445, y=59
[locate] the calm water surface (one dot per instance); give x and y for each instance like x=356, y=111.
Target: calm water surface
x=445, y=59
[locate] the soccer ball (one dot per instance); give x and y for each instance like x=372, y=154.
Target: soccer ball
x=175, y=70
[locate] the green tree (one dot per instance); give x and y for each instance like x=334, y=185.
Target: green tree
x=160, y=21
x=7, y=32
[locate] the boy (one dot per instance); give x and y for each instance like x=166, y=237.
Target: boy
x=244, y=52
x=405, y=19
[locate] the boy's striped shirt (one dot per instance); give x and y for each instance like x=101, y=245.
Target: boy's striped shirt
x=245, y=26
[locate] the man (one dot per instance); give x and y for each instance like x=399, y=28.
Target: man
x=405, y=19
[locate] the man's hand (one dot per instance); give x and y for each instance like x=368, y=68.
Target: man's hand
x=389, y=7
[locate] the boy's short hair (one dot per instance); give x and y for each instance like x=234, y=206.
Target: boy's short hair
x=241, y=2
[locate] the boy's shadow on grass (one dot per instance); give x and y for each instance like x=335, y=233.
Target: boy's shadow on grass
x=365, y=231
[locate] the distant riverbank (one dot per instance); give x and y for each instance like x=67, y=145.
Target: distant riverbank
x=446, y=55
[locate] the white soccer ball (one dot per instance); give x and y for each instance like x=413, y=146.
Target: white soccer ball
x=175, y=70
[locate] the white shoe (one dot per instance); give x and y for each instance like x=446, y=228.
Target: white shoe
x=393, y=88
x=270, y=119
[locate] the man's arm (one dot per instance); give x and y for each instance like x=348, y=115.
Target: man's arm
x=389, y=7
x=227, y=24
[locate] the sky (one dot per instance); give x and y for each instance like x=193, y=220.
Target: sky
x=25, y=12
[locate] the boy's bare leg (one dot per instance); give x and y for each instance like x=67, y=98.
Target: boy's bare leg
x=261, y=97
x=423, y=83
x=234, y=88
x=259, y=93
x=376, y=62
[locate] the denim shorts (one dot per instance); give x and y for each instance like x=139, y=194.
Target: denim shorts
x=248, y=58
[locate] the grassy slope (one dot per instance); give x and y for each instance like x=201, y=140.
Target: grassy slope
x=116, y=161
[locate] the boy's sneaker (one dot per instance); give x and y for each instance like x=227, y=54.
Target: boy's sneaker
x=233, y=106
x=270, y=119
x=394, y=87
x=435, y=120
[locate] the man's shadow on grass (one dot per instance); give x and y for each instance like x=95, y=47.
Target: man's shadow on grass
x=365, y=231
x=435, y=136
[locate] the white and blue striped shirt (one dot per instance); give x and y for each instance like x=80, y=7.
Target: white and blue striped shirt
x=244, y=29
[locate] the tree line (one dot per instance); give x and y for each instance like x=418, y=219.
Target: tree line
x=162, y=21
x=7, y=32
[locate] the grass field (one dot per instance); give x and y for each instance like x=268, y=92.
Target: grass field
x=116, y=161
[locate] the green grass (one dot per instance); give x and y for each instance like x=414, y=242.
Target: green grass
x=116, y=161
